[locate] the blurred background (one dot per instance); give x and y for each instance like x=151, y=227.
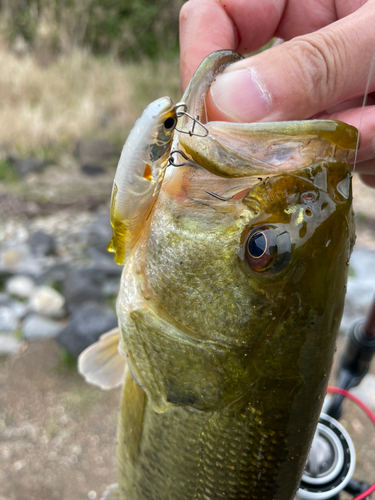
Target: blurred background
x=74, y=77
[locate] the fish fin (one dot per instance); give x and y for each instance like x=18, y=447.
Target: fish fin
x=111, y=493
x=101, y=364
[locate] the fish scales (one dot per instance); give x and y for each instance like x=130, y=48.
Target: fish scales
x=192, y=467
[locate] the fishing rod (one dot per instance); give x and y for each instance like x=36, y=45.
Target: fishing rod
x=355, y=360
x=331, y=461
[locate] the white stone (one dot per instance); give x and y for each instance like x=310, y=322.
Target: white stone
x=9, y=345
x=20, y=286
x=48, y=302
x=36, y=327
x=8, y=319
x=19, y=308
x=19, y=259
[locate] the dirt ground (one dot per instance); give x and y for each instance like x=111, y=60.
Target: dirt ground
x=57, y=434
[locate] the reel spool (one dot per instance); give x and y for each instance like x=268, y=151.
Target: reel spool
x=331, y=461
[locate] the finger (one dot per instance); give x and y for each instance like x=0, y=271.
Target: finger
x=246, y=25
x=369, y=180
x=366, y=126
x=299, y=78
x=207, y=25
x=366, y=167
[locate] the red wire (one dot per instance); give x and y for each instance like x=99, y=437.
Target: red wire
x=351, y=396
x=366, y=409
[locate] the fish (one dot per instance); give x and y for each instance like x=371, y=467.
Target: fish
x=139, y=175
x=232, y=149
x=228, y=315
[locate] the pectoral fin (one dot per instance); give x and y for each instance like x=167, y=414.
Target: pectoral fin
x=101, y=364
x=111, y=493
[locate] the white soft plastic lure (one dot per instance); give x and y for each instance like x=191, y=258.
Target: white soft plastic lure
x=139, y=174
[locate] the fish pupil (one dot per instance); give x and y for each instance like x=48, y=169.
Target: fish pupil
x=257, y=245
x=169, y=123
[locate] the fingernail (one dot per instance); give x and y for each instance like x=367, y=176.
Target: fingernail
x=241, y=95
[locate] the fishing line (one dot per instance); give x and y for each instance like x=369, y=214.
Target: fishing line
x=205, y=112
x=372, y=65
x=370, y=414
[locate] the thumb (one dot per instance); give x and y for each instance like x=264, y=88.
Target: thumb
x=299, y=78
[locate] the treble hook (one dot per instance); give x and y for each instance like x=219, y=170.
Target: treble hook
x=172, y=160
x=218, y=197
x=196, y=121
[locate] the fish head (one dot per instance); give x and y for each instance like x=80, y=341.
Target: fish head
x=234, y=292
x=219, y=296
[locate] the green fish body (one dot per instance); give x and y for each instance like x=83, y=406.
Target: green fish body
x=228, y=314
x=229, y=363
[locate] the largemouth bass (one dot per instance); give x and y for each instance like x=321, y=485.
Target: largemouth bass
x=139, y=174
x=228, y=314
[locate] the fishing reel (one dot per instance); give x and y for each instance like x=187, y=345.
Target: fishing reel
x=331, y=461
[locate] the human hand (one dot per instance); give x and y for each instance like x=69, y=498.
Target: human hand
x=322, y=72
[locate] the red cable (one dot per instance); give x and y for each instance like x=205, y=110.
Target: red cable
x=366, y=409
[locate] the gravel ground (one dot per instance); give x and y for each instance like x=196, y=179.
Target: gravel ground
x=57, y=434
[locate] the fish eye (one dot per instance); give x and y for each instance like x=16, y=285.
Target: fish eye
x=257, y=245
x=169, y=123
x=268, y=248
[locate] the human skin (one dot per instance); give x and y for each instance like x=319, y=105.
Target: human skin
x=321, y=71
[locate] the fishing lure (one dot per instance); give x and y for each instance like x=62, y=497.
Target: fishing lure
x=139, y=175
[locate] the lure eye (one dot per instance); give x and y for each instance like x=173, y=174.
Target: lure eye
x=169, y=123
x=268, y=248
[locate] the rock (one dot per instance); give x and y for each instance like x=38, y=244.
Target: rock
x=42, y=244
x=20, y=309
x=37, y=327
x=82, y=285
x=11, y=205
x=111, y=287
x=17, y=259
x=20, y=286
x=4, y=299
x=47, y=302
x=98, y=234
x=8, y=319
x=26, y=166
x=92, y=169
x=88, y=323
x=97, y=152
x=55, y=274
x=9, y=345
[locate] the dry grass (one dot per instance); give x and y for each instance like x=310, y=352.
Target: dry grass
x=46, y=109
